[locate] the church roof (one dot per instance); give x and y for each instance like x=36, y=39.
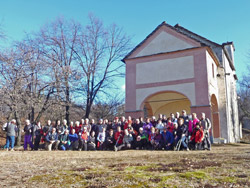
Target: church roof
x=195, y=36
x=202, y=40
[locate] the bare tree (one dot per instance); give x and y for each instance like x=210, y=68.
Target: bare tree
x=41, y=87
x=98, y=55
x=14, y=84
x=109, y=107
x=42, y=75
x=56, y=42
x=244, y=96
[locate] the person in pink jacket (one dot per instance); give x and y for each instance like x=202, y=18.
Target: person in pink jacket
x=192, y=123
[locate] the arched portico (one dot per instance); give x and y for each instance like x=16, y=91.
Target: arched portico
x=165, y=102
x=215, y=117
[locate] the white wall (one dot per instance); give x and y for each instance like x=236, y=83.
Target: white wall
x=165, y=70
x=212, y=78
x=164, y=42
x=232, y=107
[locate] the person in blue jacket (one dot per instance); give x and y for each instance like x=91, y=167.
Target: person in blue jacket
x=167, y=139
x=73, y=138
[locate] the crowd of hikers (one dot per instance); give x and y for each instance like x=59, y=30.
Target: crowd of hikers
x=177, y=132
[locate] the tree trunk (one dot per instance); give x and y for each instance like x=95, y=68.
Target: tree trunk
x=18, y=122
x=88, y=107
x=87, y=111
x=67, y=104
x=32, y=115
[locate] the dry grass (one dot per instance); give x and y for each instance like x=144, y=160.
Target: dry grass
x=224, y=166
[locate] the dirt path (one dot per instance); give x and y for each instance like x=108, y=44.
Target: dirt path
x=224, y=166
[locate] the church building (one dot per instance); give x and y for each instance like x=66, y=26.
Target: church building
x=174, y=69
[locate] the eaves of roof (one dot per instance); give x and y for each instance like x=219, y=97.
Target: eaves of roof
x=158, y=27
x=177, y=26
x=228, y=58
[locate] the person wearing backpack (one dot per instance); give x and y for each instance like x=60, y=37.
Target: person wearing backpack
x=206, y=126
x=11, y=130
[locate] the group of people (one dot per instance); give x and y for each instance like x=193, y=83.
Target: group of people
x=179, y=131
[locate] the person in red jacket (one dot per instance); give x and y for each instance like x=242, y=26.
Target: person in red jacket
x=118, y=136
x=197, y=137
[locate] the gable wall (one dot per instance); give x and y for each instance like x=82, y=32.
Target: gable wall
x=163, y=40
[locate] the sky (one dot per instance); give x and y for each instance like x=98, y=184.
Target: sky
x=216, y=20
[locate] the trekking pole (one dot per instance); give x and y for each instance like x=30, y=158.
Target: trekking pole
x=178, y=145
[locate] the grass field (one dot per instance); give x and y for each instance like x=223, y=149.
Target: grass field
x=224, y=166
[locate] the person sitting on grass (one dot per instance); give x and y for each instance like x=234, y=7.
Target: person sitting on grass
x=167, y=139
x=141, y=140
x=151, y=137
x=118, y=137
x=197, y=137
x=110, y=140
x=127, y=141
x=134, y=135
x=83, y=141
x=73, y=138
x=157, y=140
x=64, y=141
x=52, y=140
x=91, y=143
x=101, y=138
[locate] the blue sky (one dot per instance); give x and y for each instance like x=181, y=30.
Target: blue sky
x=217, y=20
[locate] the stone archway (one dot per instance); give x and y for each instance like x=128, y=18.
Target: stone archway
x=215, y=117
x=165, y=103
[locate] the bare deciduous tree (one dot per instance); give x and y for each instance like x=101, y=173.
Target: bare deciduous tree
x=56, y=42
x=98, y=54
x=108, y=108
x=244, y=94
x=41, y=75
x=14, y=84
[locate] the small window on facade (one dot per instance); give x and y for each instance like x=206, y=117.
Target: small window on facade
x=213, y=70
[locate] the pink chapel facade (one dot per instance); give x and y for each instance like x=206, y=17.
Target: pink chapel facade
x=175, y=69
